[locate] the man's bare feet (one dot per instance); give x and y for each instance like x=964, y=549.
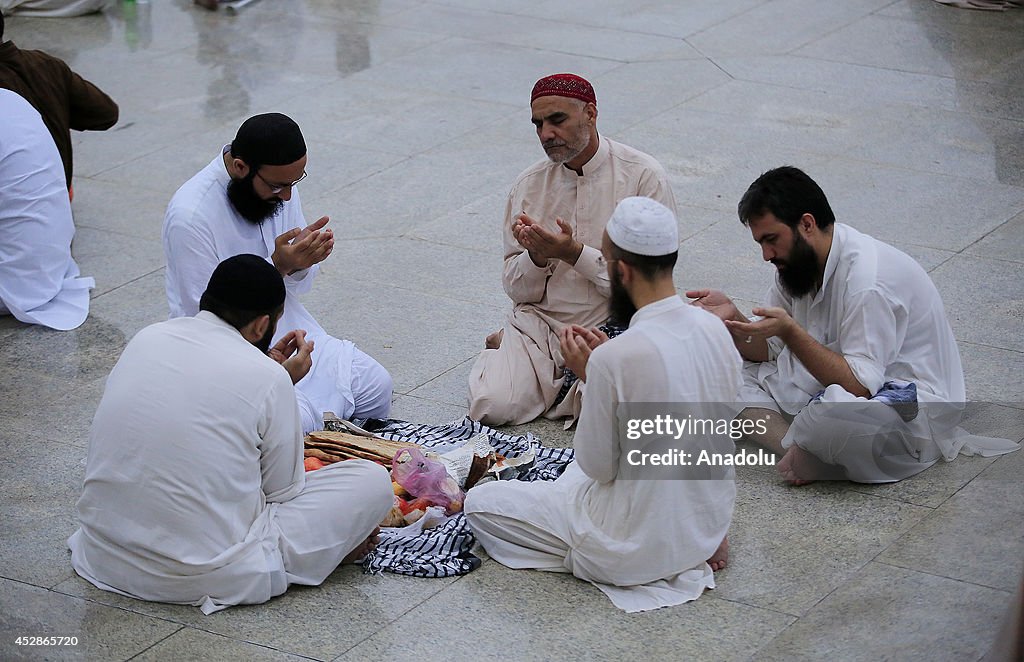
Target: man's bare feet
x=364, y=548
x=494, y=340
x=796, y=466
x=720, y=558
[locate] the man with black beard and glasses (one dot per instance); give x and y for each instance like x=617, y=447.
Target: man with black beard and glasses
x=195, y=490
x=851, y=363
x=246, y=201
x=553, y=270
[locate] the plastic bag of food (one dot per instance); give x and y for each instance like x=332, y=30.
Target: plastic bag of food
x=428, y=479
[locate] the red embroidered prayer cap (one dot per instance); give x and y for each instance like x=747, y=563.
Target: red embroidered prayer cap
x=564, y=85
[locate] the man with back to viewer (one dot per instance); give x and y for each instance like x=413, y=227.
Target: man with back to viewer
x=195, y=490
x=646, y=539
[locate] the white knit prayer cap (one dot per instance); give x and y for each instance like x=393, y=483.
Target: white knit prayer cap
x=644, y=226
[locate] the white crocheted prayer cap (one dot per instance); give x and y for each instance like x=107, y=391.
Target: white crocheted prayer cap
x=644, y=226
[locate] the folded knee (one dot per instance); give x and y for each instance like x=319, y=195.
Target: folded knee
x=373, y=397
x=490, y=409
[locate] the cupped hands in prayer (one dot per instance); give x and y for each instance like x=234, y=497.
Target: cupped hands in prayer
x=577, y=343
x=542, y=244
x=301, y=248
x=774, y=322
x=293, y=352
x=716, y=303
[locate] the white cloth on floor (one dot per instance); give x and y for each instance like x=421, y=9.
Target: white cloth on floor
x=202, y=228
x=39, y=280
x=644, y=542
x=521, y=379
x=195, y=490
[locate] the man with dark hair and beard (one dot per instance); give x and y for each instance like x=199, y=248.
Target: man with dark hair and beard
x=553, y=270
x=195, y=490
x=852, y=366
x=246, y=201
x=647, y=539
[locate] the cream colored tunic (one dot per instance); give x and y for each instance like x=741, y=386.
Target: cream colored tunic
x=519, y=381
x=644, y=542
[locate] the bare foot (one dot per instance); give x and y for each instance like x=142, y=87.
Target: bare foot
x=720, y=558
x=494, y=340
x=364, y=548
x=794, y=465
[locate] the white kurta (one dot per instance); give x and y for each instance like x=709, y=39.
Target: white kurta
x=202, y=228
x=520, y=381
x=879, y=309
x=644, y=542
x=39, y=280
x=195, y=491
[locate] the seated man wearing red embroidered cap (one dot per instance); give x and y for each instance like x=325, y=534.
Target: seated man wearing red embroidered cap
x=554, y=272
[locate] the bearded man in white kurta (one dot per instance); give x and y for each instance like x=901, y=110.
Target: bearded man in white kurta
x=245, y=201
x=852, y=346
x=39, y=280
x=195, y=491
x=645, y=541
x=554, y=272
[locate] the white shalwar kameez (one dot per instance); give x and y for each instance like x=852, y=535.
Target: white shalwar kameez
x=521, y=379
x=195, y=491
x=643, y=542
x=879, y=309
x=202, y=228
x=39, y=280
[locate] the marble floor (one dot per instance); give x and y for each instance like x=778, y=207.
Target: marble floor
x=910, y=114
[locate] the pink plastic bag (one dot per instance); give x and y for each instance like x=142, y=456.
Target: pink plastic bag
x=426, y=479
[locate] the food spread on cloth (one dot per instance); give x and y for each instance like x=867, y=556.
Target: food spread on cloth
x=421, y=479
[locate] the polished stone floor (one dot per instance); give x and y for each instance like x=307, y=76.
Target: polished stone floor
x=910, y=114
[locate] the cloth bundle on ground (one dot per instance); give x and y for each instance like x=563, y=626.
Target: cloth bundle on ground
x=444, y=551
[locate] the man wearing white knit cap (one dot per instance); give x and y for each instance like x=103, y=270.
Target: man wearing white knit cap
x=648, y=539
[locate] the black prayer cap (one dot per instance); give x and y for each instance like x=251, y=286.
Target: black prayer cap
x=247, y=283
x=269, y=139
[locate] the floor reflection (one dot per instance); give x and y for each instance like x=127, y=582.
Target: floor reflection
x=352, y=37
x=986, y=89
x=250, y=51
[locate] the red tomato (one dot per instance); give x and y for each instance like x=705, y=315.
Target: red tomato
x=314, y=463
x=416, y=504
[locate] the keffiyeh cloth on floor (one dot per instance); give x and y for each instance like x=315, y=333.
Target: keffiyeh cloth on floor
x=444, y=551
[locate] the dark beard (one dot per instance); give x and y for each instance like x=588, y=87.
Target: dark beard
x=263, y=344
x=250, y=206
x=799, y=277
x=620, y=307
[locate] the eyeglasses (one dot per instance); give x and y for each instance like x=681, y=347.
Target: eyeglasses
x=277, y=188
